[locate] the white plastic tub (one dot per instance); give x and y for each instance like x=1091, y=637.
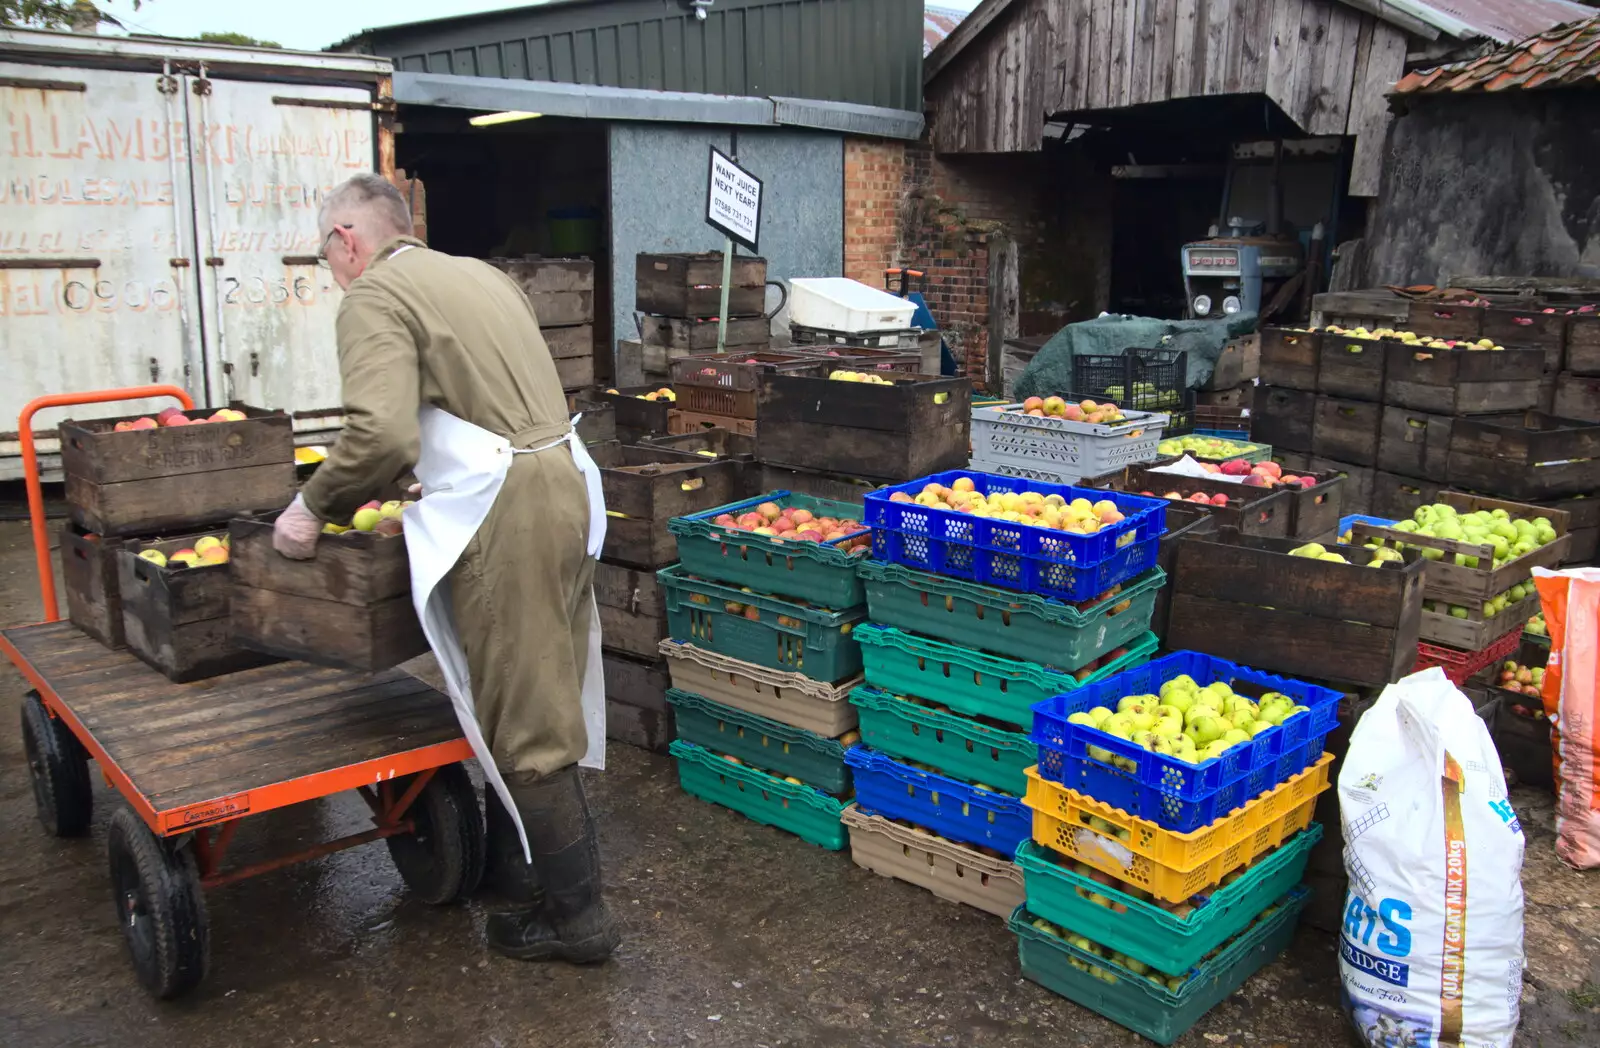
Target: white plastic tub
x=842, y=304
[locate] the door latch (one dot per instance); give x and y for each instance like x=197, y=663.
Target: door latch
x=255, y=363
x=155, y=370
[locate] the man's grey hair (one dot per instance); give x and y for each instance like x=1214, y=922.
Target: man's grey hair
x=370, y=203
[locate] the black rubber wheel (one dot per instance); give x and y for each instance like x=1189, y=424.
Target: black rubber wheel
x=156, y=888
x=442, y=862
x=60, y=771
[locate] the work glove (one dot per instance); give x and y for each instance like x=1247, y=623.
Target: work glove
x=295, y=533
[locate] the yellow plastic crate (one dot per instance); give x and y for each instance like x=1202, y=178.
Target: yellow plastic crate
x=1171, y=865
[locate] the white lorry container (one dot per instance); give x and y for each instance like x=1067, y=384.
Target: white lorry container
x=158, y=204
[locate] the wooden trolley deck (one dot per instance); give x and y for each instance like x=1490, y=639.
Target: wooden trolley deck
x=191, y=755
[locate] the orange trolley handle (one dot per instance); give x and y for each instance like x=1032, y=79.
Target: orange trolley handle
x=30, y=467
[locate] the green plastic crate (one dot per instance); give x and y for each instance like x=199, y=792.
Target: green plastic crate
x=1134, y=1001
x=959, y=747
x=807, y=813
x=1143, y=930
x=1005, y=622
x=812, y=571
x=768, y=744
x=812, y=641
x=972, y=682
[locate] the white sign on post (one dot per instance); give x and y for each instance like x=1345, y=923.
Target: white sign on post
x=733, y=201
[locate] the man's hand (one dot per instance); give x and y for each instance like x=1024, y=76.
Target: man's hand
x=295, y=533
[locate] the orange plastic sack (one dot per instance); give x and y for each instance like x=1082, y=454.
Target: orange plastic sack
x=1571, y=601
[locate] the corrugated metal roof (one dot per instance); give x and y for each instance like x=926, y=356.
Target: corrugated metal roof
x=1565, y=56
x=938, y=23
x=1508, y=20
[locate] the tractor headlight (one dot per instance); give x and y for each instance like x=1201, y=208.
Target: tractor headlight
x=1202, y=305
x=1230, y=305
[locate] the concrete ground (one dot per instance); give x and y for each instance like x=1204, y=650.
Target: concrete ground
x=737, y=935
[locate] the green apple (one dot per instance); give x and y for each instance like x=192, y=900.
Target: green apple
x=1083, y=719
x=1119, y=725
x=1234, y=736
x=1205, y=729
x=1100, y=715
x=1257, y=727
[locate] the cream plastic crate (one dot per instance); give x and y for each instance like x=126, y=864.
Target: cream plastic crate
x=949, y=870
x=790, y=698
x=842, y=304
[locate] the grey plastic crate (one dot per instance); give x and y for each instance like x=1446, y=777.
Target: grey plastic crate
x=1059, y=448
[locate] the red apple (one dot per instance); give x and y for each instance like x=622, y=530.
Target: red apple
x=144, y=423
x=122, y=427
x=1219, y=499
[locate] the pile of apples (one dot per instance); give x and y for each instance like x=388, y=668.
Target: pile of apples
x=654, y=396
x=1522, y=680
x=1491, y=608
x=1145, y=395
x=1080, y=516
x=1186, y=721
x=1511, y=537
x=866, y=377
x=1217, y=448
x=793, y=524
x=383, y=518
x=171, y=417
x=1317, y=551
x=1199, y=498
x=1536, y=626
x=207, y=550
x=1411, y=338
x=1056, y=407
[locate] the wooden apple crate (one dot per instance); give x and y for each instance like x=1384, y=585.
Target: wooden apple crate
x=644, y=488
x=1445, y=320
x=89, y=575
x=1184, y=520
x=633, y=609
x=1283, y=417
x=1525, y=456
x=598, y=419
x=707, y=443
x=1243, y=598
x=690, y=335
x=1350, y=367
x=561, y=290
x=177, y=619
x=1457, y=584
x=1290, y=358
x=1576, y=397
x=1253, y=510
x=637, y=419
x=1346, y=430
x=690, y=285
x=1315, y=511
x=1396, y=497
x=1238, y=363
x=349, y=606
x=1239, y=396
x=1583, y=524
x=637, y=712
x=1529, y=329
x=1583, y=344
x=1414, y=443
x=1524, y=743
x=837, y=486
x=1474, y=633
x=176, y=478
x=1462, y=381
x=920, y=424
x=681, y=423
x=1358, y=482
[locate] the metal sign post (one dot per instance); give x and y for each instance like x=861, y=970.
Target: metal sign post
x=733, y=206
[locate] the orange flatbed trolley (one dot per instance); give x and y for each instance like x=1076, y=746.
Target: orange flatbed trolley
x=192, y=761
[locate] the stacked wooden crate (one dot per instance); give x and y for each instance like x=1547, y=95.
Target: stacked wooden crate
x=679, y=300
x=562, y=293
x=161, y=489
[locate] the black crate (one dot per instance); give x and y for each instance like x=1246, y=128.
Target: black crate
x=1139, y=380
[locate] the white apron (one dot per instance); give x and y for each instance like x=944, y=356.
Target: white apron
x=462, y=467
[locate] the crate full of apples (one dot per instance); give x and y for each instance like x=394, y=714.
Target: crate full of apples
x=1083, y=438
x=177, y=470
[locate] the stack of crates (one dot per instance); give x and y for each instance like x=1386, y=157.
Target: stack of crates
x=1156, y=886
x=762, y=654
x=962, y=642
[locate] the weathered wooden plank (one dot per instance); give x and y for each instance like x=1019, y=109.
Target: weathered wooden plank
x=1164, y=28
x=1100, y=39
x=1315, y=18
x=1117, y=81
x=1255, y=41
x=1283, y=43
x=1218, y=37
x=1331, y=98
x=1369, y=108
x=1142, y=50
x=1188, y=49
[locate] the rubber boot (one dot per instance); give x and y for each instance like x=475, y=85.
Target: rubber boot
x=507, y=872
x=574, y=924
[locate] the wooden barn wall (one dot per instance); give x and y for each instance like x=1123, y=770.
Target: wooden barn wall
x=1325, y=64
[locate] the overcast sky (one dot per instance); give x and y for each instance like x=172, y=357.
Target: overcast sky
x=307, y=25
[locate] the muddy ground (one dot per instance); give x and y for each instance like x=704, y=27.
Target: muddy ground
x=737, y=935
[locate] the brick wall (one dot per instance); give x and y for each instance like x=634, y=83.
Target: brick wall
x=947, y=208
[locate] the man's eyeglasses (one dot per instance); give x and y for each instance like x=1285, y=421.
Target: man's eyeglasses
x=322, y=250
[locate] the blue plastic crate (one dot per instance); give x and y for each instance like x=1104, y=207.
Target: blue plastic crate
x=1362, y=518
x=944, y=805
x=1016, y=556
x=1167, y=791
